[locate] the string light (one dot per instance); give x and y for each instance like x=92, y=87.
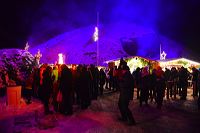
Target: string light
x=95, y=35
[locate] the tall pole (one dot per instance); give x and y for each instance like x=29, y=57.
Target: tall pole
x=160, y=52
x=98, y=40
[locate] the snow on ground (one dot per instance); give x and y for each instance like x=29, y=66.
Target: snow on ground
x=102, y=117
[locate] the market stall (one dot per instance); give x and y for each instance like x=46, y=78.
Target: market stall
x=179, y=62
x=134, y=62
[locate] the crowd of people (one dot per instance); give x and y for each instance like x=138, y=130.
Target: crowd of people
x=63, y=86
x=76, y=85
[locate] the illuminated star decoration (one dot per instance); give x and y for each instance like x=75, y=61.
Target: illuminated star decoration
x=95, y=35
x=60, y=58
x=163, y=55
x=26, y=47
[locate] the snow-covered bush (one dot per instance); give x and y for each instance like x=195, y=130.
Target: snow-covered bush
x=17, y=63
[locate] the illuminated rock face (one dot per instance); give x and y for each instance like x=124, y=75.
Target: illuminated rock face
x=115, y=41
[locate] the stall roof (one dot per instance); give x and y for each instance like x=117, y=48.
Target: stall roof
x=131, y=57
x=182, y=59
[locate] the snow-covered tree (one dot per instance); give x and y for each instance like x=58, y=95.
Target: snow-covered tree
x=17, y=63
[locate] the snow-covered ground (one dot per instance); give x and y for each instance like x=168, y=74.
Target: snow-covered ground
x=176, y=116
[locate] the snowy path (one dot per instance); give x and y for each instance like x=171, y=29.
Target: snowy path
x=101, y=117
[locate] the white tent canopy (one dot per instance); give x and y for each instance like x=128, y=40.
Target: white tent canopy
x=178, y=62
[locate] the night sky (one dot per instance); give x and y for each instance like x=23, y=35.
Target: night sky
x=40, y=20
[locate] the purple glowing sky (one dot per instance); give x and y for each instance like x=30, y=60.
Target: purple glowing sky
x=39, y=21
